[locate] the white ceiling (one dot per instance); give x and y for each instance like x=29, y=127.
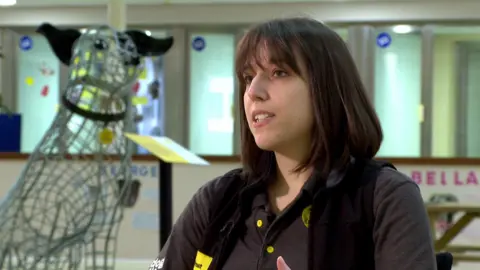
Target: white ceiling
x=29, y=3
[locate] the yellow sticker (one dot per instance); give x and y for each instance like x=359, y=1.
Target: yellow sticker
x=82, y=72
x=131, y=71
x=306, y=215
x=29, y=81
x=143, y=74
x=84, y=106
x=202, y=261
x=139, y=100
x=106, y=136
x=86, y=95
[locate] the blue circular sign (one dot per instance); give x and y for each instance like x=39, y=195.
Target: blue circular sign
x=384, y=40
x=198, y=43
x=26, y=43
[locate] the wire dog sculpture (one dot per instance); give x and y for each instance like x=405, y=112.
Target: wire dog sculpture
x=64, y=209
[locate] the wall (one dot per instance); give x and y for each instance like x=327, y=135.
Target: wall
x=445, y=93
x=139, y=236
x=247, y=13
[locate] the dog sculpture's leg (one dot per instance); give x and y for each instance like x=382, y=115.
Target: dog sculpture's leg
x=74, y=256
x=46, y=214
x=100, y=253
x=101, y=248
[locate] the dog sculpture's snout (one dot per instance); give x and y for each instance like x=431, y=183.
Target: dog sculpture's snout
x=128, y=192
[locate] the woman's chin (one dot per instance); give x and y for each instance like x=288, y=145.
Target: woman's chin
x=266, y=145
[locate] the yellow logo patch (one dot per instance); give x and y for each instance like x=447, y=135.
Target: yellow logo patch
x=306, y=215
x=202, y=261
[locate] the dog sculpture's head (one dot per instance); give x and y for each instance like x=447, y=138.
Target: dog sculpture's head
x=103, y=57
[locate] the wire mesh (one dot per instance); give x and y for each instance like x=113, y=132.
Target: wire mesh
x=64, y=208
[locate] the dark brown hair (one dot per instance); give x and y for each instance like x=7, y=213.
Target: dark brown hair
x=346, y=124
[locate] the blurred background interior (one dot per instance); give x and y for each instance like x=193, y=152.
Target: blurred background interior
x=419, y=59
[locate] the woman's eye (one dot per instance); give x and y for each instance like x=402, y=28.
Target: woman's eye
x=279, y=73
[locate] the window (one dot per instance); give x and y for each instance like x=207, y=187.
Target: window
x=149, y=96
x=398, y=90
x=38, y=88
x=211, y=93
x=455, y=82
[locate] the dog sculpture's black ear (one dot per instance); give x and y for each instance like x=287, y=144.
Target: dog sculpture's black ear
x=149, y=46
x=130, y=193
x=61, y=41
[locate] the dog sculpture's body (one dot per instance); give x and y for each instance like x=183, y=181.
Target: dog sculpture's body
x=63, y=209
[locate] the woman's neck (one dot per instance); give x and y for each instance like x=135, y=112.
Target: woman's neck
x=287, y=185
x=286, y=175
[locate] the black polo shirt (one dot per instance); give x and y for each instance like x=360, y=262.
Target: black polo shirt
x=268, y=237
x=400, y=234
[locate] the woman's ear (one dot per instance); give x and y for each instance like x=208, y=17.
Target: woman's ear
x=61, y=41
x=149, y=46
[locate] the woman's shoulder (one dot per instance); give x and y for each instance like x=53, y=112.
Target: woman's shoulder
x=395, y=188
x=217, y=187
x=401, y=227
x=390, y=179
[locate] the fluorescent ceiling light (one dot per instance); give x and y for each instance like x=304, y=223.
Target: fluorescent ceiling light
x=402, y=29
x=5, y=3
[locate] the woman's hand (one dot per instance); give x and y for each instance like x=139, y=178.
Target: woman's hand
x=281, y=264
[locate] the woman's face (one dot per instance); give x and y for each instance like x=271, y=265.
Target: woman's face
x=277, y=106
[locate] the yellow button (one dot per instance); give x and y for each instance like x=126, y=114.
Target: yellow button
x=259, y=223
x=270, y=249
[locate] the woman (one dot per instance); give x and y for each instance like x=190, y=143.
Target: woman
x=309, y=195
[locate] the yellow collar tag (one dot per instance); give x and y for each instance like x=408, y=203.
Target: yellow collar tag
x=202, y=261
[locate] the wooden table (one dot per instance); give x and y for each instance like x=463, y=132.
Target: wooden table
x=469, y=213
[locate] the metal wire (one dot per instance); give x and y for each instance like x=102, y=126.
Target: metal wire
x=63, y=208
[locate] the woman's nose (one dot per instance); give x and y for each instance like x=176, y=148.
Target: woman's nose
x=257, y=90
